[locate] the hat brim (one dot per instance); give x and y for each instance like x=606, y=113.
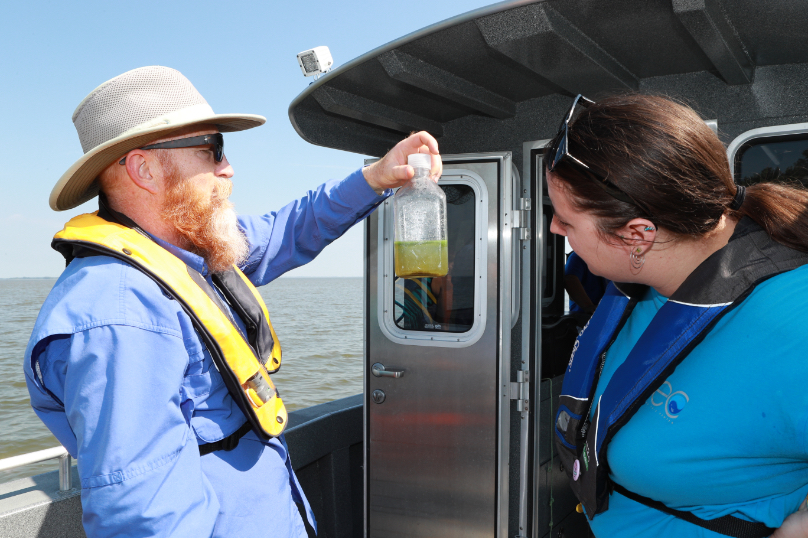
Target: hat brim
x=78, y=184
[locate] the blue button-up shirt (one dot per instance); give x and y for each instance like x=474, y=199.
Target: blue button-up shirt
x=116, y=371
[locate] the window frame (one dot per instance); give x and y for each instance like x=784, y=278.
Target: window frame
x=761, y=133
x=386, y=271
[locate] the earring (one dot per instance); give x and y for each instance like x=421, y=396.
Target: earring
x=637, y=259
x=649, y=228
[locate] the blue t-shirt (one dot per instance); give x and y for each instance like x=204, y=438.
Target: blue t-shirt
x=594, y=285
x=726, y=432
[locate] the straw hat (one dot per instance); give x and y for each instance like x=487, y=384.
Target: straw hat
x=128, y=112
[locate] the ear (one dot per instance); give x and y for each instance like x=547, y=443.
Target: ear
x=140, y=168
x=638, y=234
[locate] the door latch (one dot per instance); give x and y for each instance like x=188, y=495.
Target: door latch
x=379, y=370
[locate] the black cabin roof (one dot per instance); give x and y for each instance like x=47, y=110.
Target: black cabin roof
x=493, y=78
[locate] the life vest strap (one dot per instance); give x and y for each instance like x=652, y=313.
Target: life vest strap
x=228, y=443
x=727, y=525
x=242, y=366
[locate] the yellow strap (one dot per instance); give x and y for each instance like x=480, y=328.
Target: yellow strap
x=129, y=245
x=416, y=301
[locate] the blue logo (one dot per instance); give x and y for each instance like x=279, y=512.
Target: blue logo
x=674, y=402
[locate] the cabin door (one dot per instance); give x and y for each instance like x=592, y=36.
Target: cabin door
x=436, y=387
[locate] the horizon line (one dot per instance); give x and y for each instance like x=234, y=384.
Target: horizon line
x=56, y=277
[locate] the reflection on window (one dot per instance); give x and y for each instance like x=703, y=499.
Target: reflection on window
x=781, y=159
x=444, y=304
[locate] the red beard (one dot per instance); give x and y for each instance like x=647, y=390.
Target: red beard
x=207, y=225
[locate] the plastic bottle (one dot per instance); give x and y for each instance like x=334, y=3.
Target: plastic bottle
x=420, y=215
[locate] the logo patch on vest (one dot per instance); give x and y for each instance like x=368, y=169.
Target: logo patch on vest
x=673, y=402
x=563, y=421
x=586, y=457
x=575, y=347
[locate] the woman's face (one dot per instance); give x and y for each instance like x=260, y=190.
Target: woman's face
x=603, y=258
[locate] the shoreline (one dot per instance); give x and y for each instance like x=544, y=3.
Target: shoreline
x=29, y=278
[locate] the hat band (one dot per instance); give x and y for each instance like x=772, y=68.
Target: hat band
x=182, y=116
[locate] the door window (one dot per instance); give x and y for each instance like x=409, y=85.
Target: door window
x=444, y=304
x=447, y=310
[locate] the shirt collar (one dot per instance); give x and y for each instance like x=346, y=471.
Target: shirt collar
x=194, y=261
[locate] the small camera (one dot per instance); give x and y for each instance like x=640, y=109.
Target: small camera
x=314, y=62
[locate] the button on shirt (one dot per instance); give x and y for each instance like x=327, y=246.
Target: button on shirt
x=116, y=371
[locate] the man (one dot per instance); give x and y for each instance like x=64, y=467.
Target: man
x=150, y=357
x=584, y=287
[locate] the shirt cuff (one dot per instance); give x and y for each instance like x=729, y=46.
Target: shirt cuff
x=358, y=185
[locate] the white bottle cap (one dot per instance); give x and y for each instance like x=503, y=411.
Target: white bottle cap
x=420, y=160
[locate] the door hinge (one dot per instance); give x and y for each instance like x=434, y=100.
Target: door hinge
x=520, y=219
x=520, y=389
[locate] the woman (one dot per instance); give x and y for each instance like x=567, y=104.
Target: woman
x=684, y=410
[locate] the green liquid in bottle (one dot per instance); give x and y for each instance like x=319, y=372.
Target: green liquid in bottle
x=418, y=259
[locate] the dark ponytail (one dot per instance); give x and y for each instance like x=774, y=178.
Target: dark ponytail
x=665, y=158
x=781, y=209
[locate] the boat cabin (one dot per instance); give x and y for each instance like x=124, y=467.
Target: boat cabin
x=452, y=436
x=462, y=372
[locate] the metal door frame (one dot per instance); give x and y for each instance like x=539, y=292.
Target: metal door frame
x=529, y=161
x=506, y=219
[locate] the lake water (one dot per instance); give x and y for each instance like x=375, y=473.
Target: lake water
x=318, y=322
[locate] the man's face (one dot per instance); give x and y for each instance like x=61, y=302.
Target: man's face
x=196, y=204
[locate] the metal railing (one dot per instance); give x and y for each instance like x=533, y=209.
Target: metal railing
x=59, y=452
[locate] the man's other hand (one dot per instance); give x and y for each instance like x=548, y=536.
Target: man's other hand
x=392, y=170
x=795, y=525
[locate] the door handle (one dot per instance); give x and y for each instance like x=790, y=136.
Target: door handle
x=379, y=371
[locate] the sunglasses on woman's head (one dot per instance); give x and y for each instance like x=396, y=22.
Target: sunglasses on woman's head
x=216, y=140
x=559, y=152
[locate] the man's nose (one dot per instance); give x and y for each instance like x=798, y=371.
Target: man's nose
x=224, y=169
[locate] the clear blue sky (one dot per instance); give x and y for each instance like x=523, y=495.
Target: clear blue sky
x=239, y=55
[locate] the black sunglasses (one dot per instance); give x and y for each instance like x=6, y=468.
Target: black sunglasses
x=559, y=151
x=216, y=140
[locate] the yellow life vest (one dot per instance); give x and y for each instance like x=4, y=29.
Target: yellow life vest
x=244, y=362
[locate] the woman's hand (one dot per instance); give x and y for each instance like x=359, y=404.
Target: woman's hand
x=795, y=526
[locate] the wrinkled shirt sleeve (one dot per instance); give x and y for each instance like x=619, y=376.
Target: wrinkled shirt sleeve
x=138, y=459
x=283, y=240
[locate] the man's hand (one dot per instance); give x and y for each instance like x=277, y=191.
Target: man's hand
x=795, y=525
x=392, y=171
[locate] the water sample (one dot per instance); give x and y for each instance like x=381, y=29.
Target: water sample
x=420, y=215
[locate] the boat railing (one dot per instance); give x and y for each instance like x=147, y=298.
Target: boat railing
x=325, y=443
x=58, y=452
